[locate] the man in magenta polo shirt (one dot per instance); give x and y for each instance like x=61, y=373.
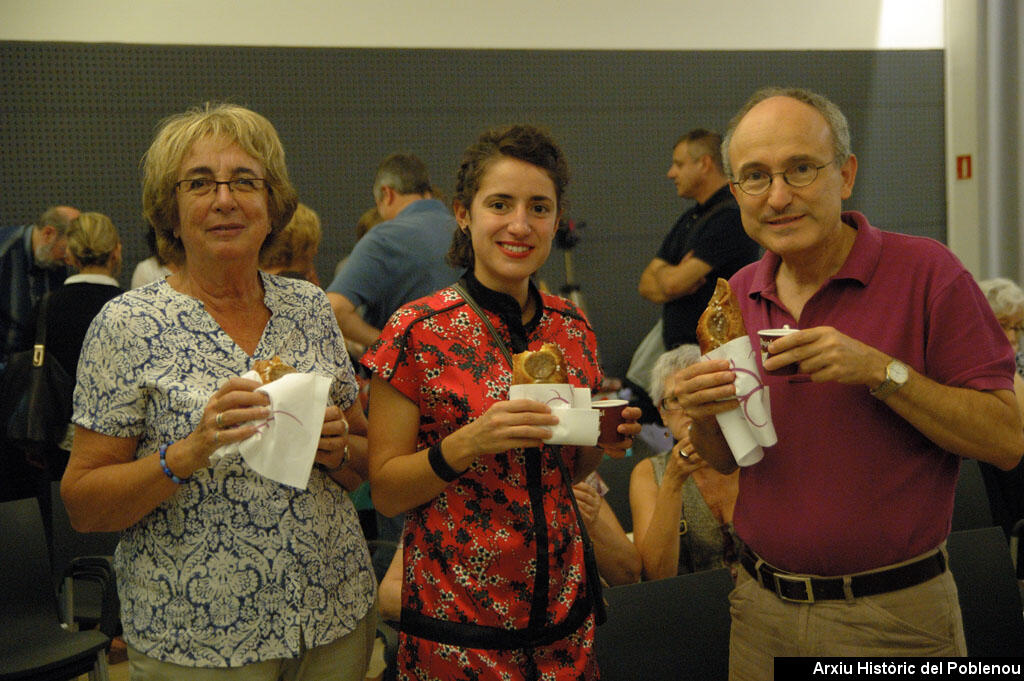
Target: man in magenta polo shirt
x=903, y=369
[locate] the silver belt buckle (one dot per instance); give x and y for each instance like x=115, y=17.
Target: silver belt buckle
x=806, y=581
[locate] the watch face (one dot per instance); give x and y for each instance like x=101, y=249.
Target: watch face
x=897, y=371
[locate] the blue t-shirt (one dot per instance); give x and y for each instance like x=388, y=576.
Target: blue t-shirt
x=398, y=261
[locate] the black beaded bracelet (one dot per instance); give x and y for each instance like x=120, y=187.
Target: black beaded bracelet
x=442, y=469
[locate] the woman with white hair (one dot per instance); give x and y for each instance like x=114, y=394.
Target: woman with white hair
x=1007, y=301
x=682, y=507
x=1006, y=488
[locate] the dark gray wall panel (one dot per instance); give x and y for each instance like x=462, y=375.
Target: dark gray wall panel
x=75, y=120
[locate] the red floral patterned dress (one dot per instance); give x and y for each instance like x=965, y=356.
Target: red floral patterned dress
x=494, y=581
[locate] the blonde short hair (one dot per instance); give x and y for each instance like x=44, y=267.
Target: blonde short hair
x=178, y=133
x=300, y=238
x=92, y=238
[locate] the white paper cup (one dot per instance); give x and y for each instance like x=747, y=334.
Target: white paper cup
x=575, y=427
x=555, y=395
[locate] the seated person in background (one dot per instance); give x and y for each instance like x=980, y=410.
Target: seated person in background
x=1007, y=301
x=618, y=561
x=682, y=508
x=155, y=267
x=294, y=252
x=1006, y=488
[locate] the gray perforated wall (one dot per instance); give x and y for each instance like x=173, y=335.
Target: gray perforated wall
x=75, y=120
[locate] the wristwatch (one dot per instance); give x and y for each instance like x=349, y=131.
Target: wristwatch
x=896, y=375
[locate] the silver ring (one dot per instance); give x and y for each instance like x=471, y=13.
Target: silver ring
x=220, y=420
x=216, y=437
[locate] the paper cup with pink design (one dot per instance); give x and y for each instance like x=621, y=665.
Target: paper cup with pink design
x=578, y=424
x=748, y=428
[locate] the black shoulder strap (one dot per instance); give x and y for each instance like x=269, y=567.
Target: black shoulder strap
x=461, y=290
x=39, y=349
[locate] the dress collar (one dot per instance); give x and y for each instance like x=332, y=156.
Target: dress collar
x=91, y=279
x=507, y=308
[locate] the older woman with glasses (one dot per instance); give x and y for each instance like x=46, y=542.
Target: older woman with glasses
x=221, y=571
x=682, y=508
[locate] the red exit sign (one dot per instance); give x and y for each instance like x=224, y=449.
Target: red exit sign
x=963, y=167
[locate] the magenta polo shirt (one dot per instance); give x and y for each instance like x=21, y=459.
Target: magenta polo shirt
x=851, y=486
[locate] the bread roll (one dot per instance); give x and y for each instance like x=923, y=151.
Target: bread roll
x=722, y=321
x=271, y=369
x=546, y=365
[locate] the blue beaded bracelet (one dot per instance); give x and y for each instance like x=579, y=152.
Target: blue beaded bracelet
x=163, y=464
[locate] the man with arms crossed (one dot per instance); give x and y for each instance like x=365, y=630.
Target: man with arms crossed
x=903, y=369
x=707, y=242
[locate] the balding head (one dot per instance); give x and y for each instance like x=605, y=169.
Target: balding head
x=58, y=217
x=49, y=238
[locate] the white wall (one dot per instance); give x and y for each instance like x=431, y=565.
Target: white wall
x=534, y=24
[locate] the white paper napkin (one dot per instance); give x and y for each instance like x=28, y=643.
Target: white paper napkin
x=578, y=424
x=748, y=428
x=284, y=447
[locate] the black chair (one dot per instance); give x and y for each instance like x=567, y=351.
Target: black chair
x=83, y=572
x=667, y=629
x=971, y=509
x=989, y=596
x=33, y=645
x=1017, y=548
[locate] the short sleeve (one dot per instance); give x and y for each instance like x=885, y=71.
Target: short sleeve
x=389, y=357
x=360, y=275
x=108, y=395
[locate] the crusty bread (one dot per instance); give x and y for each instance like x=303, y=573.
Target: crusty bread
x=271, y=369
x=722, y=321
x=546, y=365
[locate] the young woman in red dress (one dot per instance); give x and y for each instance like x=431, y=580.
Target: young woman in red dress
x=495, y=584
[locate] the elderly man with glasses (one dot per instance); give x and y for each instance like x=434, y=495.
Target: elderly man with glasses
x=902, y=369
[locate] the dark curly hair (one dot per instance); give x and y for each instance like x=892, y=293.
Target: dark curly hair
x=524, y=142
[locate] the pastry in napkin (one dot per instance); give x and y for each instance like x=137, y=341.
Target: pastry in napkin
x=284, y=446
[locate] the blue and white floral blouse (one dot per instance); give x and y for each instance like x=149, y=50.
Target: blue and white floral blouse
x=233, y=568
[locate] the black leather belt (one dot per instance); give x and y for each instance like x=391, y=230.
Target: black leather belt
x=806, y=589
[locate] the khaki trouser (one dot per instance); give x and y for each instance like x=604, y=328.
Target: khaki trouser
x=343, y=660
x=922, y=620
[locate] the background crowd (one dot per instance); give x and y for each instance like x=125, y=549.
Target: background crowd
x=503, y=541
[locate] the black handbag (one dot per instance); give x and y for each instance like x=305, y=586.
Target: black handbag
x=36, y=393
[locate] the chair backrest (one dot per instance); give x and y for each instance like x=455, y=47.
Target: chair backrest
x=989, y=596
x=675, y=628
x=27, y=597
x=971, y=509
